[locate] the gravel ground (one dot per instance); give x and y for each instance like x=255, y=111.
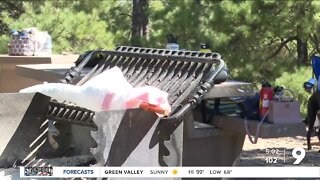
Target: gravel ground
x=255, y=154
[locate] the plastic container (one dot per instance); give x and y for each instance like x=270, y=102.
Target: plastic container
x=172, y=46
x=47, y=46
x=172, y=42
x=266, y=95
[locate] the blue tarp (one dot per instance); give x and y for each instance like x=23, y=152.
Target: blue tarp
x=316, y=68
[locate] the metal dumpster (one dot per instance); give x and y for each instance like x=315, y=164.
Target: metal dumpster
x=136, y=137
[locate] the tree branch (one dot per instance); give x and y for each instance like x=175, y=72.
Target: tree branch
x=281, y=46
x=125, y=14
x=164, y=2
x=272, y=40
x=313, y=52
x=315, y=40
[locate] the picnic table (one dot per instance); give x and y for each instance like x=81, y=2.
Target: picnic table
x=12, y=82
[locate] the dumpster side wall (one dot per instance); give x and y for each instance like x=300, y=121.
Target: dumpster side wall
x=206, y=145
x=212, y=151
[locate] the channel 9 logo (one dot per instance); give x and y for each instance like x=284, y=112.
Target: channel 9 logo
x=298, y=154
x=38, y=171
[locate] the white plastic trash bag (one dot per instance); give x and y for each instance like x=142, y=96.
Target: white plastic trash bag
x=107, y=91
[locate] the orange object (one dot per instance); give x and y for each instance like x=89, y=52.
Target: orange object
x=153, y=108
x=266, y=95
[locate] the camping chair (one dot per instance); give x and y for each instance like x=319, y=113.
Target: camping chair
x=310, y=84
x=315, y=62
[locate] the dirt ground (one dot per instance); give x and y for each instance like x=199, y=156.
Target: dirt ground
x=255, y=154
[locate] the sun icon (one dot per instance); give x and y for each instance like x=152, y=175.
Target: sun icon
x=174, y=171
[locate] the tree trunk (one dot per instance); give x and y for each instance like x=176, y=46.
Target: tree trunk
x=302, y=50
x=139, y=27
x=302, y=47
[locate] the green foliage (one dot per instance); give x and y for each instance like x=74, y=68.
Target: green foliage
x=180, y=18
x=4, y=39
x=294, y=81
x=117, y=14
x=245, y=32
x=15, y=10
x=71, y=31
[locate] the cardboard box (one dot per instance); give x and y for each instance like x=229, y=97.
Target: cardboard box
x=284, y=112
x=21, y=46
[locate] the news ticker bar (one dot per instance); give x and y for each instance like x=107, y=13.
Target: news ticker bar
x=156, y=172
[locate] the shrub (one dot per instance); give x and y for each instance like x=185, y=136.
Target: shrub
x=294, y=81
x=71, y=31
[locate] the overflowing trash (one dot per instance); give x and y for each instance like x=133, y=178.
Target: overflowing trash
x=107, y=91
x=30, y=42
x=74, y=120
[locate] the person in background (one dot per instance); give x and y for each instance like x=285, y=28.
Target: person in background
x=312, y=108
